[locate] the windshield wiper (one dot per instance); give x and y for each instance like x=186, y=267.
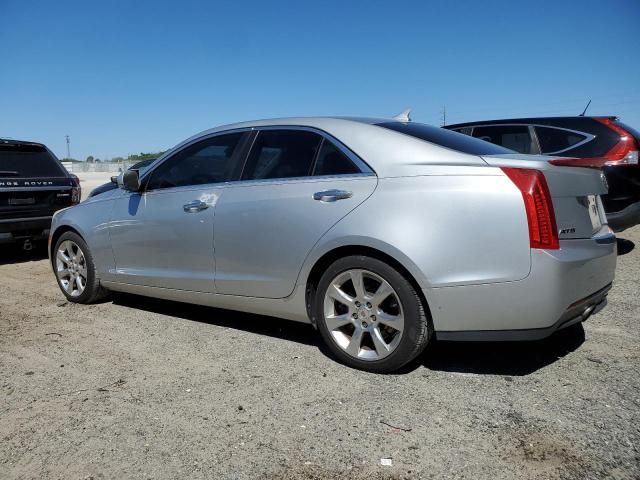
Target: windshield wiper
x=9, y=173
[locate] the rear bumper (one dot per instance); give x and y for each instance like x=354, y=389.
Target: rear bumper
x=19, y=229
x=626, y=218
x=564, y=287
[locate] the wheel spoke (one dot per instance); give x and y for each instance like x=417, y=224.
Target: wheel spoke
x=68, y=286
x=383, y=292
x=337, y=294
x=83, y=271
x=354, y=344
x=336, y=321
x=394, y=321
x=63, y=273
x=358, y=283
x=61, y=256
x=79, y=285
x=382, y=349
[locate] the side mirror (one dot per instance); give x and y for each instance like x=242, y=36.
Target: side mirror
x=131, y=180
x=114, y=179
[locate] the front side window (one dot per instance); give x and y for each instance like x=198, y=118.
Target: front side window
x=445, y=138
x=331, y=161
x=281, y=154
x=208, y=161
x=555, y=139
x=513, y=137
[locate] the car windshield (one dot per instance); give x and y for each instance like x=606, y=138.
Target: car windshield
x=446, y=138
x=24, y=160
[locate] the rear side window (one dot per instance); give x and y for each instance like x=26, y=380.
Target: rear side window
x=28, y=161
x=513, y=137
x=445, y=138
x=331, y=161
x=208, y=161
x=554, y=140
x=281, y=154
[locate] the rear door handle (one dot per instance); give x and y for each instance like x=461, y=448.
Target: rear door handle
x=332, y=195
x=195, y=206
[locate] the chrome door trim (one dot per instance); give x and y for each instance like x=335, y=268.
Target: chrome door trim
x=195, y=206
x=332, y=195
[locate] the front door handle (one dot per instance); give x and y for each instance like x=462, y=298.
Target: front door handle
x=332, y=195
x=195, y=206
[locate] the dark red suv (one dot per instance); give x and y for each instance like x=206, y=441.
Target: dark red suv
x=598, y=142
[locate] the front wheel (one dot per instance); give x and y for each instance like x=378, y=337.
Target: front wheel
x=75, y=270
x=369, y=315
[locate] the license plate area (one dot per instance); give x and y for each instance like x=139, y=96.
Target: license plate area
x=22, y=201
x=594, y=212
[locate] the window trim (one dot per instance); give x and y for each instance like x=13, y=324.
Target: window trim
x=532, y=126
x=365, y=169
x=239, y=155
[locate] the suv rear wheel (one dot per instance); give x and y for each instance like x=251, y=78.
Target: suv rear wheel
x=369, y=315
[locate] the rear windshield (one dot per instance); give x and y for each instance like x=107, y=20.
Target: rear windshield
x=447, y=138
x=27, y=161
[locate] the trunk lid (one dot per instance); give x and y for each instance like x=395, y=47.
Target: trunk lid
x=575, y=193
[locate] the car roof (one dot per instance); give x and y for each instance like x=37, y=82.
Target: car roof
x=313, y=122
x=11, y=141
x=530, y=120
x=388, y=152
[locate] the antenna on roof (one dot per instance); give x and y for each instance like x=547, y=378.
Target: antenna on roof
x=585, y=109
x=404, y=116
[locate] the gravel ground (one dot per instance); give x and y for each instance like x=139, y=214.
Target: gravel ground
x=140, y=388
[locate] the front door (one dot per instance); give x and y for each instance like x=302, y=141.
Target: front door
x=163, y=236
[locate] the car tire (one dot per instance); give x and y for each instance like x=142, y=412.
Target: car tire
x=72, y=259
x=361, y=330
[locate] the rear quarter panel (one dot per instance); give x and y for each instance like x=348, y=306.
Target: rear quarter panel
x=445, y=229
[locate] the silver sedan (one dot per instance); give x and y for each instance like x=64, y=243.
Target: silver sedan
x=380, y=233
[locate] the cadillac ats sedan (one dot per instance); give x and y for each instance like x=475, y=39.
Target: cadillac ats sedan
x=381, y=233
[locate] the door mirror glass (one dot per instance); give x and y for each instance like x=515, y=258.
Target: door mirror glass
x=130, y=180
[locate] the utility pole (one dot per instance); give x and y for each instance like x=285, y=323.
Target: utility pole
x=444, y=116
x=68, y=147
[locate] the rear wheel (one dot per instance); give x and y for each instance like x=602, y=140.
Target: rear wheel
x=75, y=270
x=370, y=315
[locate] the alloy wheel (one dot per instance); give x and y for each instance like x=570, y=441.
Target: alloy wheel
x=363, y=314
x=71, y=268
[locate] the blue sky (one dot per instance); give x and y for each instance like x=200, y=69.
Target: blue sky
x=123, y=77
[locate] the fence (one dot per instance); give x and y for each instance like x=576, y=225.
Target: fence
x=112, y=167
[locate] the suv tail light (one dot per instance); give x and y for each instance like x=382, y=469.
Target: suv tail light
x=76, y=191
x=538, y=205
x=625, y=152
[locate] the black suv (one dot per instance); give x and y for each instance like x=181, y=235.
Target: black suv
x=33, y=185
x=598, y=142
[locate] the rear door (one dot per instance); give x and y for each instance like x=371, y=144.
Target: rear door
x=33, y=184
x=163, y=236
x=296, y=184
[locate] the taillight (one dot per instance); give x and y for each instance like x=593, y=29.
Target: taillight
x=625, y=152
x=538, y=205
x=76, y=190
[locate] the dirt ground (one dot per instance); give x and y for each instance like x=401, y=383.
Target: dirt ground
x=141, y=388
